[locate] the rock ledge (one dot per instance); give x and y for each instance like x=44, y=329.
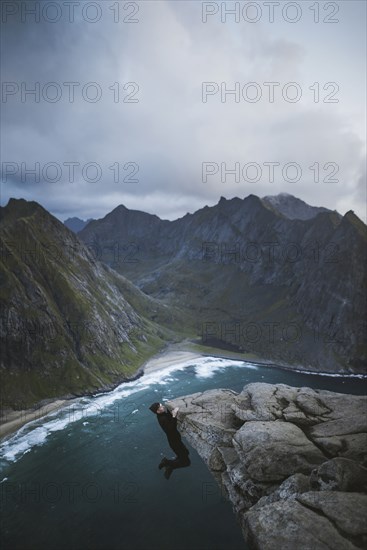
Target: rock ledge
x=292, y=461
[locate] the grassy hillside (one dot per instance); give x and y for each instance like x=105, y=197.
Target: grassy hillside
x=68, y=323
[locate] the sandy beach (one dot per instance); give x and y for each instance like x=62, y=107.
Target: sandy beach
x=173, y=354
x=169, y=358
x=13, y=420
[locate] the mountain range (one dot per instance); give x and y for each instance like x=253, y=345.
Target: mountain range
x=251, y=277
x=81, y=313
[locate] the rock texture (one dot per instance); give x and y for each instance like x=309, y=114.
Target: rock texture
x=293, y=462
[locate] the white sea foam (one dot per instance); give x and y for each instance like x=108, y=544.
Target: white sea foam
x=21, y=444
x=36, y=432
x=210, y=366
x=329, y=374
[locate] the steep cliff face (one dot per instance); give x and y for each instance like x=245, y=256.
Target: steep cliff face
x=69, y=324
x=291, y=290
x=292, y=461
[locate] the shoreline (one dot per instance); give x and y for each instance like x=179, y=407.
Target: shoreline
x=15, y=420
x=172, y=354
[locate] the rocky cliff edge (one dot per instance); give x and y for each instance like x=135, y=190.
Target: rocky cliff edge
x=292, y=461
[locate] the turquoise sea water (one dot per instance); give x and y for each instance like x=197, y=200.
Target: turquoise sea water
x=86, y=477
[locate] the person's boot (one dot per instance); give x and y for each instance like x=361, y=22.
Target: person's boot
x=163, y=462
x=168, y=472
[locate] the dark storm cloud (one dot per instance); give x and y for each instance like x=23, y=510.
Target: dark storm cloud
x=163, y=139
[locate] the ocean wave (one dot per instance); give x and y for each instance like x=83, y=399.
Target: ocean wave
x=210, y=366
x=36, y=432
x=328, y=374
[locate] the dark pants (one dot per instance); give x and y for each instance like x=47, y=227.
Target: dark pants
x=182, y=453
x=178, y=462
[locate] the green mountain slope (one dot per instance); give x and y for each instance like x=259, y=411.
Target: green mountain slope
x=69, y=324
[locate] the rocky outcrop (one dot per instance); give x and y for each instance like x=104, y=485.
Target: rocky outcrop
x=292, y=461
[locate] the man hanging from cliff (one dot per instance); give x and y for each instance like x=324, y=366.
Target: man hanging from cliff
x=168, y=423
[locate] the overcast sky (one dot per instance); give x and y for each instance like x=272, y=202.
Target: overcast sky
x=169, y=145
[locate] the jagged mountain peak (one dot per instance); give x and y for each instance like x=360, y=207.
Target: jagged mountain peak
x=223, y=204
x=255, y=206
x=250, y=201
x=20, y=208
x=123, y=211
x=76, y=224
x=252, y=197
x=120, y=208
x=351, y=219
x=293, y=207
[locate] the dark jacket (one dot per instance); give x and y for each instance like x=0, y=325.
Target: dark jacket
x=169, y=425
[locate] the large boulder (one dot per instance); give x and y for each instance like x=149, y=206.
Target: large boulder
x=289, y=525
x=339, y=474
x=272, y=451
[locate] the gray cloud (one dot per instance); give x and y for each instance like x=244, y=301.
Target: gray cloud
x=170, y=132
